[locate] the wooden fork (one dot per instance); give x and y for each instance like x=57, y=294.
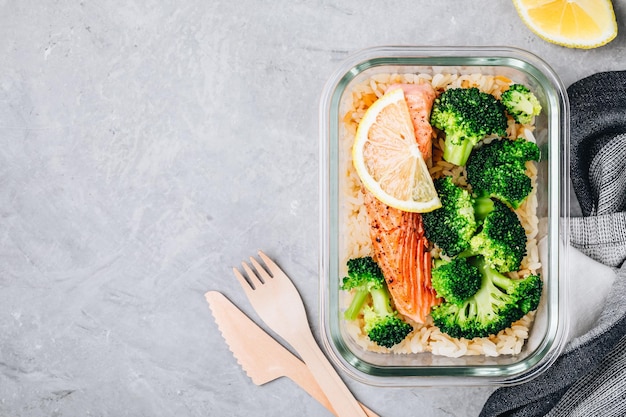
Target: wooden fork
x=278, y=303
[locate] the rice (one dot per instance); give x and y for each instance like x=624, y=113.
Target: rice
x=355, y=239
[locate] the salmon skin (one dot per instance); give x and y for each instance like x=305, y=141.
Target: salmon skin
x=401, y=251
x=420, y=99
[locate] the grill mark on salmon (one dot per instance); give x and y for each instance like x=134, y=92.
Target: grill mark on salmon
x=400, y=249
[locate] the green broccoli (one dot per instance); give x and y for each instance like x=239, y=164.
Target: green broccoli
x=466, y=116
x=520, y=103
x=455, y=280
x=498, y=169
x=501, y=240
x=453, y=224
x=498, y=303
x=383, y=324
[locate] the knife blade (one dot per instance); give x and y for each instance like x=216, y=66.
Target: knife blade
x=259, y=354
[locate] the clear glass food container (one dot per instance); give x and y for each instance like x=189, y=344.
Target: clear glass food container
x=548, y=330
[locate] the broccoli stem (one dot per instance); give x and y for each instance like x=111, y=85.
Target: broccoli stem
x=490, y=279
x=380, y=298
x=457, y=151
x=499, y=280
x=381, y=301
x=482, y=207
x=357, y=302
x=496, y=278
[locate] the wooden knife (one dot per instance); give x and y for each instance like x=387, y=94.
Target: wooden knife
x=260, y=355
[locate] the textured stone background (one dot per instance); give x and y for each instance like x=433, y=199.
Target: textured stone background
x=149, y=146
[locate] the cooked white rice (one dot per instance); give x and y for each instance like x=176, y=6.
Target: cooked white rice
x=355, y=239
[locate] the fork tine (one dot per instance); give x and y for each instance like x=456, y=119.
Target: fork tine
x=245, y=284
x=254, y=278
x=271, y=265
x=260, y=270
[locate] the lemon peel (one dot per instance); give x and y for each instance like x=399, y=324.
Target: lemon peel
x=582, y=24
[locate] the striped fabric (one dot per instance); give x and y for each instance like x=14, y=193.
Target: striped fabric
x=589, y=378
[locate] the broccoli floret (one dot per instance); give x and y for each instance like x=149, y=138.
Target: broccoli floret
x=498, y=169
x=364, y=276
x=453, y=224
x=521, y=103
x=466, y=116
x=498, y=303
x=455, y=280
x=383, y=324
x=468, y=226
x=502, y=239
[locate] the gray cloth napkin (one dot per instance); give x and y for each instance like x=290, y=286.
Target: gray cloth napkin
x=589, y=377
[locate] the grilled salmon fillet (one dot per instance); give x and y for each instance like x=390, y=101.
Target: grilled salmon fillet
x=400, y=249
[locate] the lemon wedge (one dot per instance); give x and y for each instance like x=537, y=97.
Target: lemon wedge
x=581, y=24
x=387, y=158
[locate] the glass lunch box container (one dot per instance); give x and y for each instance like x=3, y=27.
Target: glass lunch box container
x=423, y=364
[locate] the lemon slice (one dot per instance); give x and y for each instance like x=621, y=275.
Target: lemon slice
x=581, y=24
x=387, y=158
